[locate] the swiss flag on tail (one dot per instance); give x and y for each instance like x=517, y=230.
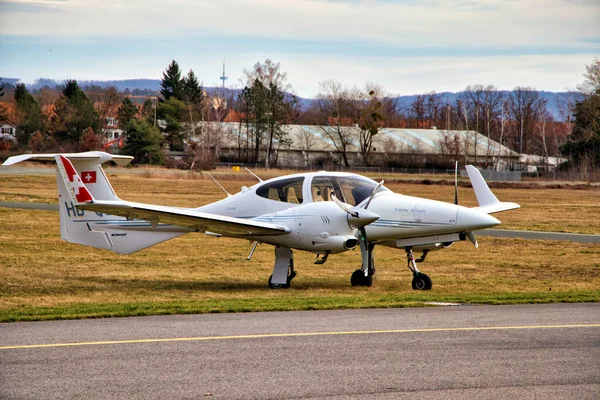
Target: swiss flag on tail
x=88, y=177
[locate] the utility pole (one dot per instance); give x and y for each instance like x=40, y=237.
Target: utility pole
x=269, y=114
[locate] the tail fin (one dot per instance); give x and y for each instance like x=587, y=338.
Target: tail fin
x=72, y=182
x=488, y=202
x=80, y=179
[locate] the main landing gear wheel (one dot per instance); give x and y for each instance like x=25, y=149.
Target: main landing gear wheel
x=358, y=278
x=421, y=281
x=284, y=266
x=286, y=285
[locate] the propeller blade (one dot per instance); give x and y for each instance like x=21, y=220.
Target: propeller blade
x=357, y=217
x=373, y=194
x=456, y=183
x=344, y=206
x=472, y=239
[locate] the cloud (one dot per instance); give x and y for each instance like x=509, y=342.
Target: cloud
x=407, y=46
x=436, y=23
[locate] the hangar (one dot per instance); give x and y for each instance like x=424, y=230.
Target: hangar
x=319, y=146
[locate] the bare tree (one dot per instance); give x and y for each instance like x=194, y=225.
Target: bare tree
x=333, y=106
x=307, y=143
x=523, y=101
x=492, y=102
x=267, y=73
x=591, y=84
x=417, y=112
x=503, y=119
x=433, y=107
x=369, y=116
x=543, y=117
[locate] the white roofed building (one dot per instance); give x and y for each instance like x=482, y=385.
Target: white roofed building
x=311, y=145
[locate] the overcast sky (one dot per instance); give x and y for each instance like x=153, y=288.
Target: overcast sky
x=406, y=46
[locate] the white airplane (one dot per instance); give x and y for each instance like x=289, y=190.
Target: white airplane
x=320, y=212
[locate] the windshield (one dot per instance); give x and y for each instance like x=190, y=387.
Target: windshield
x=349, y=189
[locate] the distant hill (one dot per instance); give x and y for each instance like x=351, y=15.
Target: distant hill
x=121, y=85
x=10, y=81
x=552, y=100
x=153, y=85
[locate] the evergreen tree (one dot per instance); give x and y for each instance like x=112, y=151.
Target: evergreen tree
x=266, y=110
x=148, y=110
x=583, y=145
x=171, y=83
x=144, y=143
x=3, y=110
x=29, y=114
x=74, y=113
x=173, y=111
x=192, y=91
x=127, y=111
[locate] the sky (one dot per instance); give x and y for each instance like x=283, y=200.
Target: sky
x=405, y=46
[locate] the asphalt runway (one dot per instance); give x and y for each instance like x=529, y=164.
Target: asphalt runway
x=503, y=352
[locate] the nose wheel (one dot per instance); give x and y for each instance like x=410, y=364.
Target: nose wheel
x=420, y=280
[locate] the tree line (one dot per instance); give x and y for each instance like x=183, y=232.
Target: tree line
x=182, y=117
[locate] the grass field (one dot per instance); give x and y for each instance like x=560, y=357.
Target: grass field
x=42, y=277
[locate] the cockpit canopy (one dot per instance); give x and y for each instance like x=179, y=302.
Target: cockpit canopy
x=351, y=189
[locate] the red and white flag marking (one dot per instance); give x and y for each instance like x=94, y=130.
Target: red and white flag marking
x=88, y=177
x=75, y=187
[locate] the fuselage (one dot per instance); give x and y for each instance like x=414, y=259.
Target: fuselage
x=400, y=216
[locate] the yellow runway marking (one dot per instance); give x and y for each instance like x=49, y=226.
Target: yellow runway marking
x=299, y=334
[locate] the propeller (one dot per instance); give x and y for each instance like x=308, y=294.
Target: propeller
x=358, y=217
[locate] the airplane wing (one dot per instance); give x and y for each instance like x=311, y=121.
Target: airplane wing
x=155, y=214
x=197, y=221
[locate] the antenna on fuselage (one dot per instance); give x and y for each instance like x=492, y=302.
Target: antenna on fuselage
x=226, y=192
x=456, y=183
x=253, y=174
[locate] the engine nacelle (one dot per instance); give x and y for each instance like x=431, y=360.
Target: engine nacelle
x=334, y=244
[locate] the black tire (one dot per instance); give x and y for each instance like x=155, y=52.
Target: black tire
x=421, y=282
x=358, y=278
x=279, y=285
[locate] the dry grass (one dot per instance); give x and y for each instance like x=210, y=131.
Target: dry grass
x=43, y=277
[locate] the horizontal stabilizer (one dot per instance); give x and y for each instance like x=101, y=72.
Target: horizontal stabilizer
x=98, y=156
